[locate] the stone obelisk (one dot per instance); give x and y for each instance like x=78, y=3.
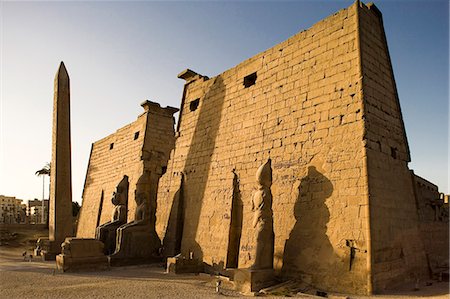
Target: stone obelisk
x=60, y=213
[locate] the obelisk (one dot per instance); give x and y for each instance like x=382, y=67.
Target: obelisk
x=60, y=217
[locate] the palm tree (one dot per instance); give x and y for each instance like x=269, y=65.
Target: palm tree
x=43, y=172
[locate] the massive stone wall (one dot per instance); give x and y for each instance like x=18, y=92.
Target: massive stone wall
x=304, y=111
x=397, y=251
x=142, y=145
x=323, y=106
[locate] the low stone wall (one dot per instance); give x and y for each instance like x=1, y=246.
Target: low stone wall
x=23, y=226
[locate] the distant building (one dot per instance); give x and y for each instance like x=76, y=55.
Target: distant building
x=34, y=211
x=11, y=210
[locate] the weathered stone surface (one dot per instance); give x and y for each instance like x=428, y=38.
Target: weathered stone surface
x=60, y=217
x=137, y=240
x=263, y=218
x=323, y=106
x=304, y=112
x=143, y=144
x=179, y=265
x=82, y=255
x=107, y=231
x=44, y=249
x=252, y=281
x=60, y=206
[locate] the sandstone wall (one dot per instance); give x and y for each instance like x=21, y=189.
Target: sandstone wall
x=428, y=199
x=323, y=106
x=435, y=236
x=143, y=144
x=397, y=249
x=433, y=217
x=305, y=113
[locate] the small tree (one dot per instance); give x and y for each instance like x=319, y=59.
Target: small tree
x=43, y=172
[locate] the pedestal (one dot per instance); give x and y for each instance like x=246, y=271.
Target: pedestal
x=47, y=249
x=82, y=255
x=81, y=264
x=179, y=265
x=107, y=234
x=138, y=247
x=118, y=261
x=250, y=281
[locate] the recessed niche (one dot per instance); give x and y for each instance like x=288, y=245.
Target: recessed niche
x=194, y=104
x=250, y=80
x=394, y=152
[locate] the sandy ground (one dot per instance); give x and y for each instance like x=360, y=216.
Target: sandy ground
x=39, y=279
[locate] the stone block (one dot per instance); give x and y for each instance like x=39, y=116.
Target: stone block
x=82, y=255
x=82, y=264
x=140, y=247
x=250, y=281
x=178, y=265
x=47, y=249
x=48, y=256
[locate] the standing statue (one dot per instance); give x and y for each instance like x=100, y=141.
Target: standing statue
x=107, y=231
x=263, y=218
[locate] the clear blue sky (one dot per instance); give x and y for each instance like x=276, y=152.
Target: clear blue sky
x=121, y=53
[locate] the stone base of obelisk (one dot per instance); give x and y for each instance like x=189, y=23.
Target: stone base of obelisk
x=249, y=281
x=47, y=249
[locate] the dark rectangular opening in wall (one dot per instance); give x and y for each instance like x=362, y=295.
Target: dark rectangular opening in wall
x=394, y=152
x=111, y=146
x=194, y=104
x=250, y=80
x=136, y=135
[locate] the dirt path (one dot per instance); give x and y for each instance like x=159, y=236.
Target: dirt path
x=39, y=279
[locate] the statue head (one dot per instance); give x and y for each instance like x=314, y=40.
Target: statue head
x=120, y=195
x=115, y=199
x=140, y=198
x=264, y=174
x=142, y=187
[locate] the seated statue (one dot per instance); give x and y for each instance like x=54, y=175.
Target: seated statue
x=138, y=239
x=107, y=231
